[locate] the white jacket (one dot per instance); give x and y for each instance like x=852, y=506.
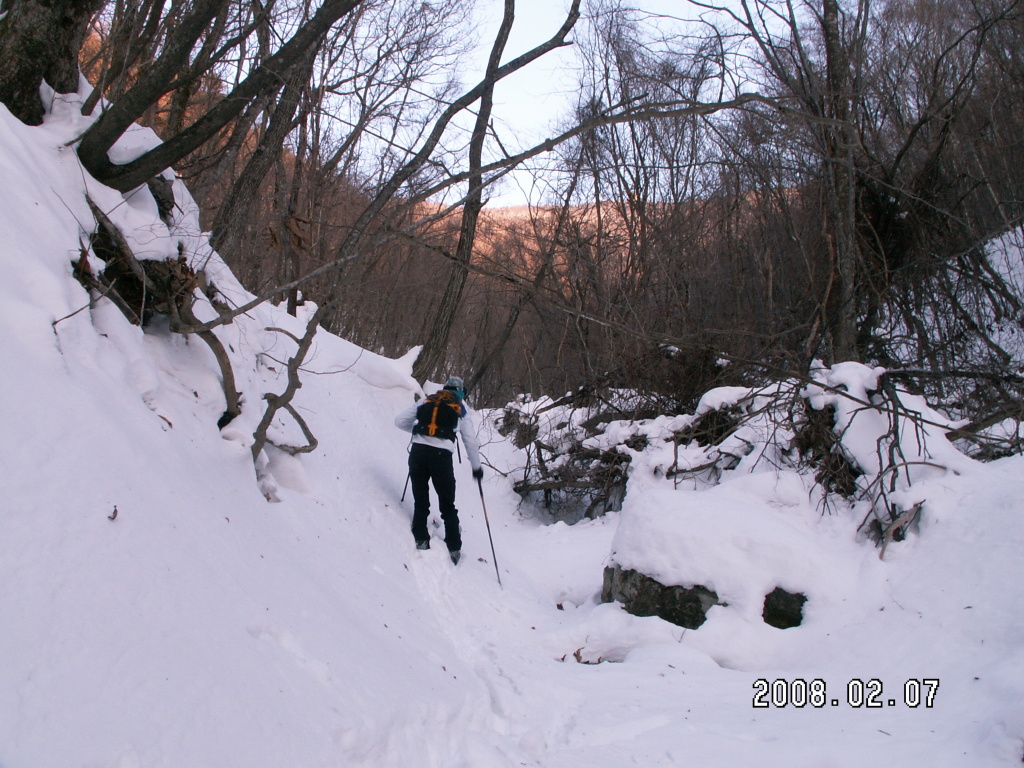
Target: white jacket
x=406, y=420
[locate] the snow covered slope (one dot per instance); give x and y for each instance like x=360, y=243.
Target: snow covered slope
x=157, y=610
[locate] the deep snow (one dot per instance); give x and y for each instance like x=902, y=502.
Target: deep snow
x=202, y=625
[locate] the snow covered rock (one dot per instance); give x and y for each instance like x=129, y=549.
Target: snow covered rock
x=643, y=596
x=783, y=609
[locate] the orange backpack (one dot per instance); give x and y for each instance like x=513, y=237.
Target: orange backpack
x=439, y=415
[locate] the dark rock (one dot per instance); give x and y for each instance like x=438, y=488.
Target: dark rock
x=641, y=595
x=783, y=609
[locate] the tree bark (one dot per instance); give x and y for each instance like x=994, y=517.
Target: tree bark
x=841, y=199
x=40, y=40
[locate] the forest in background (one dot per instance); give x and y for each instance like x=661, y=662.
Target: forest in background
x=731, y=198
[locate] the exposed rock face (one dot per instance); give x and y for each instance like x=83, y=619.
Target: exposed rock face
x=783, y=609
x=643, y=596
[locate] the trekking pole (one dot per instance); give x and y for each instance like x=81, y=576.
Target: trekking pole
x=407, y=474
x=480, y=485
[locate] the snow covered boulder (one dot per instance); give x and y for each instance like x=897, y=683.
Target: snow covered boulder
x=643, y=596
x=731, y=547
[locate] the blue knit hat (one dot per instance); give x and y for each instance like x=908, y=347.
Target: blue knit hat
x=456, y=385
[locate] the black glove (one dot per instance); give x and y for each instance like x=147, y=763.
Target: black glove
x=478, y=473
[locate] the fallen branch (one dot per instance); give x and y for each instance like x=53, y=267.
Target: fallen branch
x=277, y=402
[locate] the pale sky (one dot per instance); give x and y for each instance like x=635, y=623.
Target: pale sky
x=529, y=102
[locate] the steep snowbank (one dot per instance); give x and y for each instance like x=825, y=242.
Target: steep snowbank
x=155, y=609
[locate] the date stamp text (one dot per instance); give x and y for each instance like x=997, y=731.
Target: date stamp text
x=869, y=694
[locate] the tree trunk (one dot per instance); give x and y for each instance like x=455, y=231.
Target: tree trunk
x=437, y=340
x=40, y=40
x=841, y=306
x=231, y=218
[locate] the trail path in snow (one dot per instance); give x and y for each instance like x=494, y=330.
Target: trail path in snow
x=587, y=684
x=536, y=646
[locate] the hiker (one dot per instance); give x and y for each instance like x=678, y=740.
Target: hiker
x=434, y=424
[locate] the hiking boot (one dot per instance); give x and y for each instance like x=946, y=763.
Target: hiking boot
x=455, y=556
x=424, y=544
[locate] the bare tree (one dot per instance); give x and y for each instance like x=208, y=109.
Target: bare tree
x=161, y=77
x=437, y=337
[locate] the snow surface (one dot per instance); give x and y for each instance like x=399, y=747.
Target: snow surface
x=157, y=610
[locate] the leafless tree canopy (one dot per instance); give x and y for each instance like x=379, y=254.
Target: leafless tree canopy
x=732, y=195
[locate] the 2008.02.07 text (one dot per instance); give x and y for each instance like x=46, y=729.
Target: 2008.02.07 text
x=859, y=694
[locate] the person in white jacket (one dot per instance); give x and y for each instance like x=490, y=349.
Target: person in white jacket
x=434, y=424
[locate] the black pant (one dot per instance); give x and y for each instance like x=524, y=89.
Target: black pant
x=428, y=463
